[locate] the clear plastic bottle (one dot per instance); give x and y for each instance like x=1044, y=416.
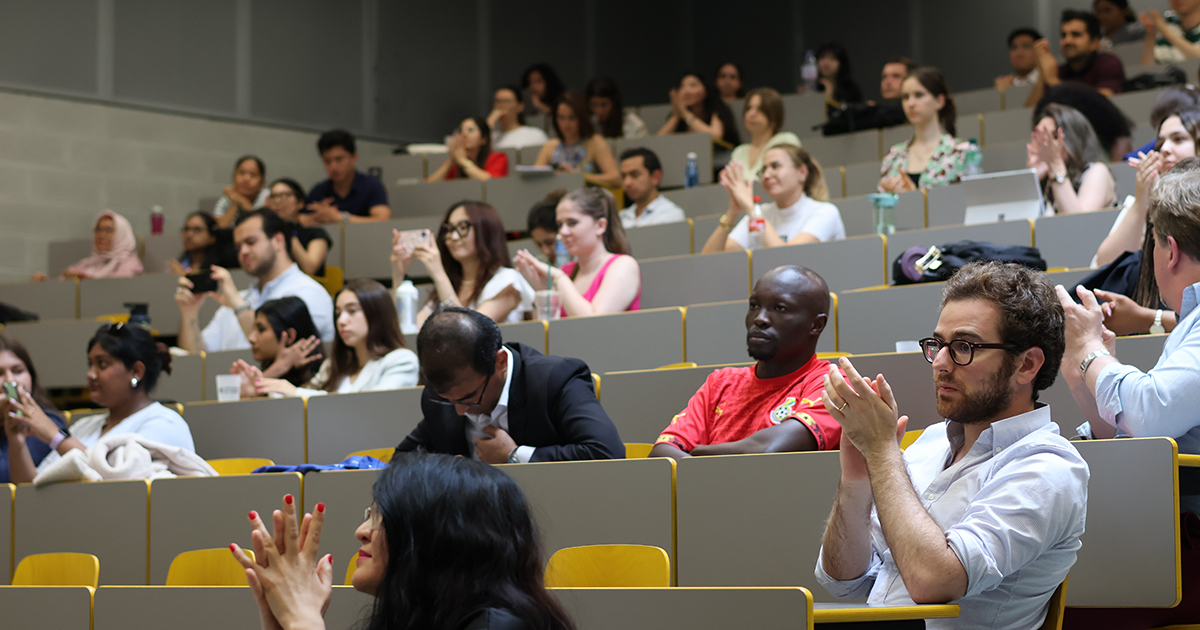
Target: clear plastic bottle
x=406, y=307
x=561, y=255
x=691, y=175
x=974, y=161
x=809, y=71
x=156, y=220
x=885, y=212
x=757, y=225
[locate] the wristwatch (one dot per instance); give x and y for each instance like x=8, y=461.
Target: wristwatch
x=242, y=309
x=722, y=223
x=58, y=438
x=1060, y=177
x=1157, y=328
x=1087, y=361
x=512, y=456
x=345, y=217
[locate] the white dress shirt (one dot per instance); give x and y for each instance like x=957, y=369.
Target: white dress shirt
x=498, y=418
x=1013, y=510
x=225, y=333
x=661, y=210
x=1164, y=401
x=523, y=136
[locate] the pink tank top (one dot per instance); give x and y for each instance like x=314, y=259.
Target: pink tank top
x=569, y=269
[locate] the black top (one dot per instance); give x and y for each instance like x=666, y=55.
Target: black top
x=494, y=619
x=365, y=193
x=552, y=407
x=307, y=235
x=844, y=92
x=725, y=114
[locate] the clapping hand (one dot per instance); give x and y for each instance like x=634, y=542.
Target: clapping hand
x=294, y=353
x=538, y=273
x=741, y=192
x=1148, y=171
x=324, y=211
x=291, y=585
x=1048, y=148
x=250, y=375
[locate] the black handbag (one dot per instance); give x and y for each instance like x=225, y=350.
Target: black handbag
x=939, y=263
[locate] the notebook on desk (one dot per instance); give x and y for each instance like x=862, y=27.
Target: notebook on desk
x=1003, y=196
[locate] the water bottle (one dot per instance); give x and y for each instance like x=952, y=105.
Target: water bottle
x=406, y=307
x=691, y=175
x=757, y=225
x=561, y=255
x=809, y=71
x=156, y=220
x=974, y=162
x=885, y=212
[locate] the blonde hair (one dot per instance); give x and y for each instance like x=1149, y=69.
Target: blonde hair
x=814, y=184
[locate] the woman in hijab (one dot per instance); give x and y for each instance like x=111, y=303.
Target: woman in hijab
x=114, y=251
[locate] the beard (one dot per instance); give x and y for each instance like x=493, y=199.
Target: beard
x=981, y=405
x=265, y=265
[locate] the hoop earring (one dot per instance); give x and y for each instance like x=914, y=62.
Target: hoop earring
x=133, y=382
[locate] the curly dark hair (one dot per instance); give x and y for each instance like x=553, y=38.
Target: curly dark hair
x=1030, y=314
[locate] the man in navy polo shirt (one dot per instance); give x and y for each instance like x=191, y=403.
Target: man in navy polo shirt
x=347, y=195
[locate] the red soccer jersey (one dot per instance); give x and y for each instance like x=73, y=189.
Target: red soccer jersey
x=733, y=404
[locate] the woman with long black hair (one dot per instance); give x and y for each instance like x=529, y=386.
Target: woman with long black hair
x=448, y=544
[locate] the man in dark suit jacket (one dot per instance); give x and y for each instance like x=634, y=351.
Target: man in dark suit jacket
x=504, y=403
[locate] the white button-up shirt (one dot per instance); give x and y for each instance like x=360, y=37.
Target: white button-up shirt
x=225, y=333
x=1013, y=510
x=661, y=210
x=498, y=418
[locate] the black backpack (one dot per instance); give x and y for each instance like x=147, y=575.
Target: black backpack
x=937, y=264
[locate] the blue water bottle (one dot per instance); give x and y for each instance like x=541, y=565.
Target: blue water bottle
x=691, y=175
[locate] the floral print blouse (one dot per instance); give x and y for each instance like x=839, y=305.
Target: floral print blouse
x=945, y=166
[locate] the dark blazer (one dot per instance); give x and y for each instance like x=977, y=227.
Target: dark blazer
x=552, y=407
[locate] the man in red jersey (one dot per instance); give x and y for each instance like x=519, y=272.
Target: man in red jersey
x=775, y=405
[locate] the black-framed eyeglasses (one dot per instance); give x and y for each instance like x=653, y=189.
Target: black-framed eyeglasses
x=962, y=352
x=466, y=403
x=462, y=229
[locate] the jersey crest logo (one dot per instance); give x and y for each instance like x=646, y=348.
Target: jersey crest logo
x=784, y=411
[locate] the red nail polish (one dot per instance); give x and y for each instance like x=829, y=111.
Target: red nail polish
x=288, y=499
x=320, y=507
x=232, y=547
x=253, y=515
x=331, y=559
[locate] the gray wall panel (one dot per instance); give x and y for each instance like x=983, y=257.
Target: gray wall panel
x=50, y=43
x=306, y=61
x=176, y=53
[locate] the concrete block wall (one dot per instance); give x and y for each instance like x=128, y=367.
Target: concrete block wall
x=62, y=161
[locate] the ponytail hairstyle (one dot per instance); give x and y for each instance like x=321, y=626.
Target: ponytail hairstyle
x=814, y=184
x=598, y=204
x=130, y=344
x=932, y=80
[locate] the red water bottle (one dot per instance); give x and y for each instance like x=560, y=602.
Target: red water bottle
x=156, y=220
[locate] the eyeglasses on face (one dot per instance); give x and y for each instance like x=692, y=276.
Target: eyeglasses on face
x=282, y=195
x=962, y=352
x=464, y=402
x=460, y=229
x=194, y=229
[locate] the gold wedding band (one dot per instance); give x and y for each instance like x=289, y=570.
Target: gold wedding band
x=844, y=403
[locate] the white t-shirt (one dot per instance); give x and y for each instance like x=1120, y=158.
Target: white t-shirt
x=154, y=422
x=523, y=136
x=503, y=278
x=661, y=210
x=224, y=204
x=819, y=218
x=225, y=333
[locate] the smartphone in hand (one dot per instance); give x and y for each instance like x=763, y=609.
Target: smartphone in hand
x=202, y=283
